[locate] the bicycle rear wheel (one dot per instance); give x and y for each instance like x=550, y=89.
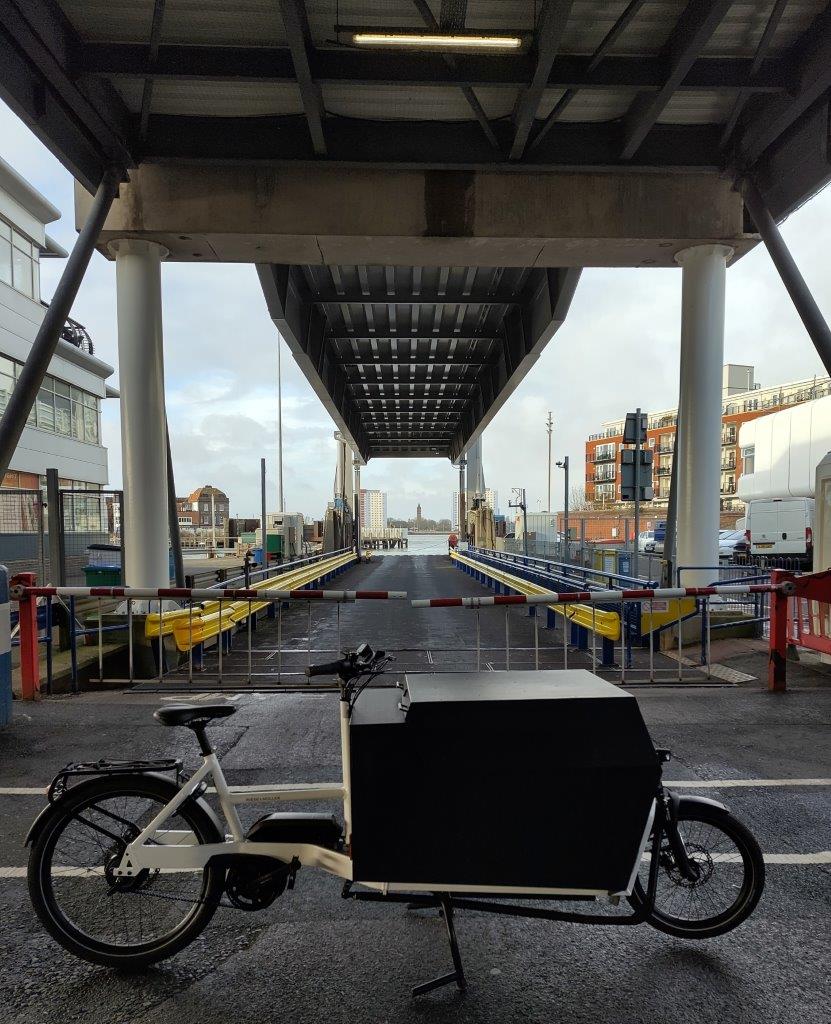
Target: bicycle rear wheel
x=731, y=877
x=110, y=920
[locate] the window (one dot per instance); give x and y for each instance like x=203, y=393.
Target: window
x=59, y=408
x=19, y=265
x=749, y=457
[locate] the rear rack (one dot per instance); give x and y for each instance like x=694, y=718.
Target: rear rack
x=58, y=786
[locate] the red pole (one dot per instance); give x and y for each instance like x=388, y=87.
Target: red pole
x=29, y=653
x=777, y=660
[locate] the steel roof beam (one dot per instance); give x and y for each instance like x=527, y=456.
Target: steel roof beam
x=338, y=67
x=606, y=44
x=689, y=37
x=449, y=59
x=297, y=34
x=152, y=55
x=378, y=296
x=433, y=144
x=767, y=121
x=85, y=126
x=552, y=24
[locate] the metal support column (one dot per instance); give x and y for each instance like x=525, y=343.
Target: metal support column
x=794, y=282
x=356, y=466
x=699, y=407
x=173, y=517
x=143, y=430
x=43, y=348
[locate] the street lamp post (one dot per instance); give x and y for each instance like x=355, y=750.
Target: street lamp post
x=549, y=426
x=563, y=464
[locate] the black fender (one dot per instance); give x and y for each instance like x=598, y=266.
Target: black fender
x=678, y=801
x=57, y=806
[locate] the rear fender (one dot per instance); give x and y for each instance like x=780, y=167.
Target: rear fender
x=76, y=792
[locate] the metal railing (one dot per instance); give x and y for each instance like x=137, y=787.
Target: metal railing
x=163, y=625
x=651, y=602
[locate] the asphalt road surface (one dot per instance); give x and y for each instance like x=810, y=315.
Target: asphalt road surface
x=315, y=957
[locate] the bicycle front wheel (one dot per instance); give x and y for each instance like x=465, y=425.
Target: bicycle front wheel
x=111, y=920
x=731, y=876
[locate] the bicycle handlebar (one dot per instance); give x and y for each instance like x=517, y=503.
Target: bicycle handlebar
x=326, y=668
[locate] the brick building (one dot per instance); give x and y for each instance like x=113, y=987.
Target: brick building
x=742, y=400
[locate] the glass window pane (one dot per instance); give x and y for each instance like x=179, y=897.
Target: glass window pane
x=36, y=280
x=46, y=410
x=5, y=230
x=6, y=385
x=90, y=425
x=75, y=394
x=61, y=388
x=77, y=420
x=21, y=242
x=48, y=382
x=89, y=400
x=22, y=272
x=63, y=415
x=7, y=366
x=5, y=261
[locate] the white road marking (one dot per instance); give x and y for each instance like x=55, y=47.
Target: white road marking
x=797, y=859
x=676, y=783
x=743, y=783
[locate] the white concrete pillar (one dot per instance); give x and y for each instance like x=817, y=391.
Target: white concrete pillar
x=699, y=408
x=143, y=441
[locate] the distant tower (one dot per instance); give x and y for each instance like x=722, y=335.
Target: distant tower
x=418, y=517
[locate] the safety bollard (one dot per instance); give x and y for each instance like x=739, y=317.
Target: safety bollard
x=777, y=660
x=29, y=654
x=5, y=649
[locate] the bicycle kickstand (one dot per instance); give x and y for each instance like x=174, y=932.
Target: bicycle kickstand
x=457, y=975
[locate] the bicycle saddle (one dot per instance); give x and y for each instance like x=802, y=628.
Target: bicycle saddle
x=190, y=714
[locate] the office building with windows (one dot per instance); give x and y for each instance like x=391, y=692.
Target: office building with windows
x=742, y=401
x=64, y=428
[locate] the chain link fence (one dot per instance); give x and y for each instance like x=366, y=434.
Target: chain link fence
x=92, y=537
x=23, y=544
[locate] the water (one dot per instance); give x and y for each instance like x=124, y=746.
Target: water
x=421, y=544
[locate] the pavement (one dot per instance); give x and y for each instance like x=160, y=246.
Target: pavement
x=314, y=957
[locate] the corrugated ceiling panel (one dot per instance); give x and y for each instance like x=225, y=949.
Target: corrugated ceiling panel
x=740, y=31
x=413, y=104
x=589, y=104
x=697, y=108
x=214, y=99
x=226, y=22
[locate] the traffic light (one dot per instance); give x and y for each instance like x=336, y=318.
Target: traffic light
x=633, y=475
x=630, y=428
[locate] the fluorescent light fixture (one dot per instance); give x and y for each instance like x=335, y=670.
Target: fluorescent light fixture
x=431, y=41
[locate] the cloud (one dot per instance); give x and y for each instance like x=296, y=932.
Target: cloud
x=617, y=350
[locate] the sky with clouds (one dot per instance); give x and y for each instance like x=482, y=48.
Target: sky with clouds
x=618, y=349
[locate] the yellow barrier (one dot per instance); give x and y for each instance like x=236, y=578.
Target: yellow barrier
x=654, y=614
x=192, y=626
x=599, y=620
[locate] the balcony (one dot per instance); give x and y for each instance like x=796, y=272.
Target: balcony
x=604, y=456
x=728, y=464
x=728, y=437
x=604, y=475
x=663, y=471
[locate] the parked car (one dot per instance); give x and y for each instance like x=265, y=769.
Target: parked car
x=732, y=544
x=781, y=527
x=646, y=538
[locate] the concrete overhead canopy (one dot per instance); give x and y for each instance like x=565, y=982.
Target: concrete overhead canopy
x=425, y=208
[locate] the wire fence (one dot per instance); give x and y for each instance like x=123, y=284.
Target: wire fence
x=23, y=544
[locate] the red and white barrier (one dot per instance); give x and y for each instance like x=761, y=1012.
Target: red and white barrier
x=206, y=594
x=601, y=596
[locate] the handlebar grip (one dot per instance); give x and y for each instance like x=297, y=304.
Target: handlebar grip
x=327, y=668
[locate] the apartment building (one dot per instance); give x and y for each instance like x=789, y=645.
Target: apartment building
x=742, y=400
x=373, y=509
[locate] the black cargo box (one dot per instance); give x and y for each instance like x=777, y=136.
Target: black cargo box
x=530, y=779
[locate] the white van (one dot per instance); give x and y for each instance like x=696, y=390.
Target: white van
x=781, y=526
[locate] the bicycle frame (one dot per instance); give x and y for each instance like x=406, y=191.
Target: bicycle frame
x=157, y=848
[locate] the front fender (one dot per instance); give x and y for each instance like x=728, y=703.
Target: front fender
x=680, y=801
x=59, y=805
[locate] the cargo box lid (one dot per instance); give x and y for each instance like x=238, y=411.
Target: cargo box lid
x=478, y=687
